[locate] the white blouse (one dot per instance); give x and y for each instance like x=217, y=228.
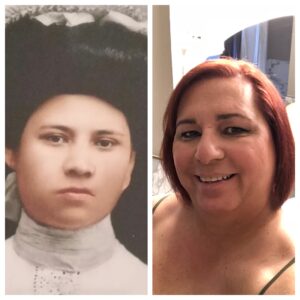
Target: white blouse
x=43, y=260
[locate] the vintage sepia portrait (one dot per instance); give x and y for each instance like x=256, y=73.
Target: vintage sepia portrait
x=76, y=149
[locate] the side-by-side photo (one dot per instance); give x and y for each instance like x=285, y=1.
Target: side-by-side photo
x=76, y=150
x=150, y=149
x=224, y=214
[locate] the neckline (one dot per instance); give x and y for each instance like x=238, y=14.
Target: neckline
x=68, y=250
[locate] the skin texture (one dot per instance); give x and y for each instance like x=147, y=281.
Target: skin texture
x=74, y=142
x=229, y=240
x=218, y=135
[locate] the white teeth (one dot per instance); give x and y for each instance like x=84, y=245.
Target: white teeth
x=214, y=179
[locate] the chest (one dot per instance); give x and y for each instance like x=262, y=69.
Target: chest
x=122, y=274
x=183, y=267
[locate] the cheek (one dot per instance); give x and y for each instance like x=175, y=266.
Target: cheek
x=264, y=153
x=31, y=174
x=27, y=161
x=267, y=160
x=257, y=159
x=37, y=170
x=35, y=164
x=182, y=157
x=112, y=169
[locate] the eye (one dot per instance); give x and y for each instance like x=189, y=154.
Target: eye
x=55, y=139
x=235, y=131
x=189, y=135
x=105, y=143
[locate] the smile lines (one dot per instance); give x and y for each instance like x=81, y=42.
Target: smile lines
x=206, y=179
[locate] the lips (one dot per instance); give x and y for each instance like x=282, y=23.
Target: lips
x=75, y=190
x=215, y=178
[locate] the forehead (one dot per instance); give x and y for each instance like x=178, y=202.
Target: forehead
x=79, y=112
x=220, y=95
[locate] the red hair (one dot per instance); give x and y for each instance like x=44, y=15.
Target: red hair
x=269, y=103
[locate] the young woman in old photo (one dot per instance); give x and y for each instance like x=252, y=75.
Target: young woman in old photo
x=75, y=132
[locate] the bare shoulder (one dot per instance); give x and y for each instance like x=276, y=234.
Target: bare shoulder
x=164, y=242
x=163, y=207
x=285, y=284
x=165, y=218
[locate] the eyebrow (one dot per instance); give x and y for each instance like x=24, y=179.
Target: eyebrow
x=185, y=121
x=218, y=118
x=58, y=127
x=108, y=132
x=69, y=130
x=231, y=115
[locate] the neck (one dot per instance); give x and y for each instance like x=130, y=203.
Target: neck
x=67, y=250
x=237, y=227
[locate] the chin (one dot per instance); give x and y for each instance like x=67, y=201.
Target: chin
x=76, y=223
x=72, y=221
x=216, y=206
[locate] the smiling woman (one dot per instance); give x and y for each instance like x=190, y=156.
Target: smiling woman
x=223, y=127
x=232, y=169
x=75, y=131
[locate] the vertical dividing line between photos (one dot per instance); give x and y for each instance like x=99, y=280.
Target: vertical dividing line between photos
x=297, y=147
x=150, y=142
x=2, y=145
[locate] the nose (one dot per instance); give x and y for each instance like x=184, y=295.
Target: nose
x=209, y=149
x=78, y=163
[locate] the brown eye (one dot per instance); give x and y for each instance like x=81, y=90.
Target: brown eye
x=235, y=131
x=54, y=139
x=105, y=143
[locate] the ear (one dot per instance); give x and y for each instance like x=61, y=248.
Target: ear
x=10, y=158
x=128, y=174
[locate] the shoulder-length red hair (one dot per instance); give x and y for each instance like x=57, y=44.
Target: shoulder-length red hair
x=269, y=103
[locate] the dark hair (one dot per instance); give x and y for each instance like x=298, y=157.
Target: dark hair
x=107, y=61
x=104, y=60
x=269, y=103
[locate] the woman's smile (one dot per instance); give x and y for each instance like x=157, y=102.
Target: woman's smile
x=226, y=143
x=214, y=178
x=215, y=186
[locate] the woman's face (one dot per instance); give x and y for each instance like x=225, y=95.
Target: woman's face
x=223, y=149
x=74, y=161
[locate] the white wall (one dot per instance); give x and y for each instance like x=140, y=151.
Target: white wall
x=214, y=22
